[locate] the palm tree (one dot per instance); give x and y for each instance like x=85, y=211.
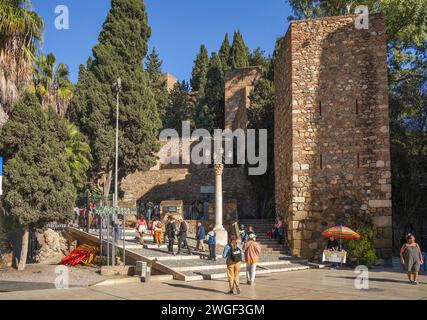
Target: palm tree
x=79, y=156
x=20, y=35
x=51, y=83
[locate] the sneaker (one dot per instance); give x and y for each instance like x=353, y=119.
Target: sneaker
x=415, y=282
x=248, y=283
x=238, y=290
x=230, y=292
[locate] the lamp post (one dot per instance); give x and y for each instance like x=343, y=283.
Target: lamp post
x=117, y=88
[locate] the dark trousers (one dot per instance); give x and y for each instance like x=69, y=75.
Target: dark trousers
x=182, y=242
x=171, y=243
x=212, y=252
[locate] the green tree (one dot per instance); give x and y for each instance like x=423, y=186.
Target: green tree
x=239, y=55
x=200, y=69
x=214, y=93
x=153, y=66
x=120, y=52
x=21, y=32
x=79, y=156
x=224, y=53
x=37, y=178
x=258, y=58
x=51, y=83
x=179, y=109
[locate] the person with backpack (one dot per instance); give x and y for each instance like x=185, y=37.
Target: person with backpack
x=182, y=236
x=212, y=243
x=252, y=252
x=234, y=255
x=200, y=237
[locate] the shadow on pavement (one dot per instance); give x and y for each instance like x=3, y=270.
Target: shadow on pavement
x=186, y=286
x=371, y=279
x=10, y=286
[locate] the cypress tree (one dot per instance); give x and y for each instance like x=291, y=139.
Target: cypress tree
x=224, y=53
x=179, y=109
x=239, y=56
x=153, y=66
x=200, y=69
x=215, y=95
x=120, y=52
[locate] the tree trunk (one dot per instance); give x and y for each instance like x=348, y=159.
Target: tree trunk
x=24, y=249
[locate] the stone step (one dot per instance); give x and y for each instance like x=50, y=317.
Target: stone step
x=224, y=266
x=221, y=274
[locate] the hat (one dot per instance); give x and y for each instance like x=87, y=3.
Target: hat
x=179, y=218
x=252, y=236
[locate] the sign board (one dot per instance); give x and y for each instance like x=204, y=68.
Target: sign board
x=1, y=176
x=334, y=256
x=207, y=189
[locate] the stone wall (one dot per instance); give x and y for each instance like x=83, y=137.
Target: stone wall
x=185, y=184
x=238, y=86
x=332, y=130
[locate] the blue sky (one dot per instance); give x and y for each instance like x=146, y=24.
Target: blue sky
x=178, y=28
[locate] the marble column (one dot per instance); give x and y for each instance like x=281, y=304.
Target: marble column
x=221, y=233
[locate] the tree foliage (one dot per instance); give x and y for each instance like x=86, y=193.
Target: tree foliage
x=158, y=85
x=200, y=69
x=179, y=109
x=37, y=177
x=120, y=52
x=239, y=55
x=21, y=32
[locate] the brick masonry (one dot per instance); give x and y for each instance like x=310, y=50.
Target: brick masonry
x=332, y=149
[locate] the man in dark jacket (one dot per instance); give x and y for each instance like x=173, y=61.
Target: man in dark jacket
x=200, y=237
x=182, y=236
x=171, y=229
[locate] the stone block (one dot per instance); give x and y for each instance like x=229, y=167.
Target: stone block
x=380, y=203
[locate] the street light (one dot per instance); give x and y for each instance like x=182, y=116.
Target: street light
x=117, y=86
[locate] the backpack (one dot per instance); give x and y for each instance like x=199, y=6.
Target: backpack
x=235, y=255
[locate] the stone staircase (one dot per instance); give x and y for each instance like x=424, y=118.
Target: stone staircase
x=195, y=267
x=261, y=227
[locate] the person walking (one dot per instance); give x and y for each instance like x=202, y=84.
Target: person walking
x=171, y=230
x=212, y=243
x=141, y=229
x=200, y=237
x=243, y=234
x=234, y=255
x=411, y=257
x=252, y=252
x=182, y=236
x=158, y=233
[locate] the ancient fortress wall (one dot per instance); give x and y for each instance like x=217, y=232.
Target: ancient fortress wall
x=238, y=86
x=332, y=152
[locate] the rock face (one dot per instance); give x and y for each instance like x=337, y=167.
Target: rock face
x=52, y=247
x=332, y=150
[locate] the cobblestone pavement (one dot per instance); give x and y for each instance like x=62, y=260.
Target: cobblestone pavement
x=314, y=284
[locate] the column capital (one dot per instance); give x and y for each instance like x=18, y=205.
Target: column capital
x=219, y=169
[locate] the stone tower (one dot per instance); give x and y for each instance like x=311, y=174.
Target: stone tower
x=332, y=149
x=239, y=84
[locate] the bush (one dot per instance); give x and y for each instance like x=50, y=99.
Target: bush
x=363, y=249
